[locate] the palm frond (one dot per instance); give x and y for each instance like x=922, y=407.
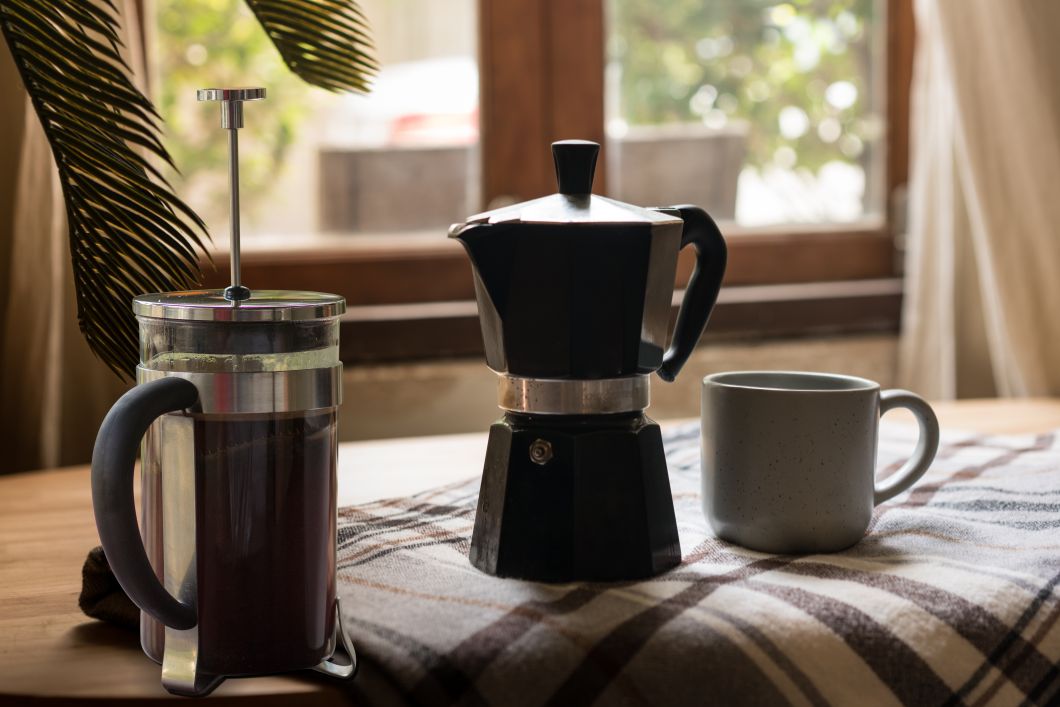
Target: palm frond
x=129, y=233
x=325, y=42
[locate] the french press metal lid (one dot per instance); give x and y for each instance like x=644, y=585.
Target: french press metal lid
x=259, y=306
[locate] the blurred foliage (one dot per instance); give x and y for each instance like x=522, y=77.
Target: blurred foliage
x=797, y=72
x=205, y=43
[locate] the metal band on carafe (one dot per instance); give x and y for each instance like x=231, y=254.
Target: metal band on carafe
x=260, y=391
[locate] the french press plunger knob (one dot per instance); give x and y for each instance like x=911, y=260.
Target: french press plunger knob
x=231, y=100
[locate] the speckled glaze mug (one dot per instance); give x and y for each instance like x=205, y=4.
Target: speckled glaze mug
x=789, y=459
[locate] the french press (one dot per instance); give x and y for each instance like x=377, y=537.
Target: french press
x=236, y=402
x=574, y=296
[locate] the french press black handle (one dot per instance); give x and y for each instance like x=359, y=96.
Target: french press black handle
x=113, y=459
x=701, y=233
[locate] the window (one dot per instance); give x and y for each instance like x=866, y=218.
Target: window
x=317, y=167
x=765, y=113
x=796, y=109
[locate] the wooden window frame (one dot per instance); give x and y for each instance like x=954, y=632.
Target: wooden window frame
x=541, y=73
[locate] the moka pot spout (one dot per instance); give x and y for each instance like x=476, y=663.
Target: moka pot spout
x=489, y=266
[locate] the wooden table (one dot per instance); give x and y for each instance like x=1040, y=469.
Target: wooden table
x=51, y=652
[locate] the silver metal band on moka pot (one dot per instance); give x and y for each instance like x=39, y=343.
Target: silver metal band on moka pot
x=551, y=396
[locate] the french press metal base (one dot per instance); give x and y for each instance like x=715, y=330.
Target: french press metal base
x=180, y=676
x=575, y=485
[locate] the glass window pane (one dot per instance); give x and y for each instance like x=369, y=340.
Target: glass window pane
x=317, y=165
x=764, y=112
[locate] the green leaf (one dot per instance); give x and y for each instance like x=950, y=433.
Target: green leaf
x=325, y=42
x=129, y=233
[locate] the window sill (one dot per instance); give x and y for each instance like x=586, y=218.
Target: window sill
x=408, y=332
x=413, y=269
x=411, y=297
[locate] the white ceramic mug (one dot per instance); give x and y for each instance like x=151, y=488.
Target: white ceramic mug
x=789, y=459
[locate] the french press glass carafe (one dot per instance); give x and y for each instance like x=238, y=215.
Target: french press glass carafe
x=236, y=407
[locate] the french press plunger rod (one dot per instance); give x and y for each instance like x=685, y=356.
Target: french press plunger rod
x=231, y=100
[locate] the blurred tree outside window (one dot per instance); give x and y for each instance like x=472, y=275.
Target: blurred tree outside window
x=308, y=155
x=767, y=112
x=207, y=43
x=801, y=82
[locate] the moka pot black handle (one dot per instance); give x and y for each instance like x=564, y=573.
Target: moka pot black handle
x=113, y=459
x=701, y=233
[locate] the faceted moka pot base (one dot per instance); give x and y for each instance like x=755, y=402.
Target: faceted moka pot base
x=567, y=498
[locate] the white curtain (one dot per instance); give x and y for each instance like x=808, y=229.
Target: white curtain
x=982, y=313
x=53, y=391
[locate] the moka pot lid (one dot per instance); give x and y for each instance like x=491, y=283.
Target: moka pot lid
x=575, y=203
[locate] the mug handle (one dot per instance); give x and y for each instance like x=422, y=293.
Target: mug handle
x=700, y=232
x=113, y=460
x=926, y=446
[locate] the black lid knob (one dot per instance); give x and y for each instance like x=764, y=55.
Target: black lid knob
x=575, y=165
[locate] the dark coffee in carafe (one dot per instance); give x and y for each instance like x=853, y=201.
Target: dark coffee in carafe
x=265, y=518
x=265, y=486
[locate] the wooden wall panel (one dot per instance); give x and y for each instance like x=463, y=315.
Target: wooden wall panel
x=575, y=77
x=901, y=39
x=542, y=79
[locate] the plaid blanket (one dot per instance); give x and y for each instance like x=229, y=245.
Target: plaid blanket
x=950, y=599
